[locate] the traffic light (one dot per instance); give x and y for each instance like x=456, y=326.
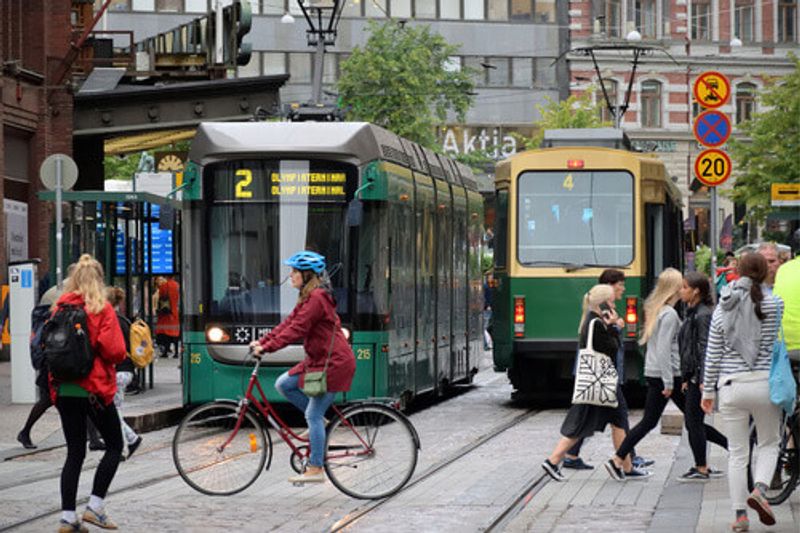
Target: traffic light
x=238, y=19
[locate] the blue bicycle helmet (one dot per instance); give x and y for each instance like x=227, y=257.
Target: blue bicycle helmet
x=306, y=260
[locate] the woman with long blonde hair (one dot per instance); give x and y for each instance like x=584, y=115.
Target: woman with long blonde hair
x=583, y=420
x=662, y=365
x=91, y=396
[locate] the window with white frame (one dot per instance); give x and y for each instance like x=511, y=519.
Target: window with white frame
x=611, y=17
x=701, y=20
x=611, y=91
x=650, y=104
x=745, y=102
x=744, y=20
x=646, y=18
x=787, y=21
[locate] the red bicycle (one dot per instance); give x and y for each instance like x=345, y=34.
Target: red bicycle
x=221, y=448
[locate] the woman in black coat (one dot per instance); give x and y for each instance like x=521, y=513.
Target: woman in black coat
x=692, y=342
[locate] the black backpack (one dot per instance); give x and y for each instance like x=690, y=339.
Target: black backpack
x=39, y=317
x=65, y=342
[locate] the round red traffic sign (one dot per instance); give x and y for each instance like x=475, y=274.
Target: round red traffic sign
x=712, y=89
x=712, y=128
x=712, y=167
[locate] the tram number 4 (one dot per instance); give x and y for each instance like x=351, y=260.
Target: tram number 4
x=568, y=182
x=241, y=184
x=363, y=353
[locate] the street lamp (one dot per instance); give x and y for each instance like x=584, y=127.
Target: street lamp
x=736, y=42
x=322, y=17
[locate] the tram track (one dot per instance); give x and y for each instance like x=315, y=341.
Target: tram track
x=518, y=504
x=358, y=514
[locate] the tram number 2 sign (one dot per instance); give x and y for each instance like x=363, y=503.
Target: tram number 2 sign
x=712, y=167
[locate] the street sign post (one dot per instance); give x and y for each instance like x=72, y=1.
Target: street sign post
x=712, y=128
x=59, y=172
x=712, y=89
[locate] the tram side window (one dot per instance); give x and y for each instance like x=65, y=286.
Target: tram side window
x=372, y=261
x=575, y=217
x=500, y=230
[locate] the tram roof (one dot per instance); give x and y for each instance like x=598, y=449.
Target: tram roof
x=353, y=142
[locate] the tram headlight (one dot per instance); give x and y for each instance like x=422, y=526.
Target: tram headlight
x=346, y=333
x=217, y=334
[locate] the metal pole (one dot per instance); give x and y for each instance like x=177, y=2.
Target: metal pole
x=713, y=230
x=59, y=235
x=218, y=45
x=319, y=56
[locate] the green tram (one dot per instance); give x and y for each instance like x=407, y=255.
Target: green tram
x=565, y=213
x=400, y=227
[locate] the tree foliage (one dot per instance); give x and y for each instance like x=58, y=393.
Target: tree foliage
x=574, y=112
x=769, y=153
x=399, y=80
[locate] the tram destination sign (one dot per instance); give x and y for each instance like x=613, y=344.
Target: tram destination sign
x=712, y=167
x=271, y=184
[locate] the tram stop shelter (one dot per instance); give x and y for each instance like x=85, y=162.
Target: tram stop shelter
x=134, y=235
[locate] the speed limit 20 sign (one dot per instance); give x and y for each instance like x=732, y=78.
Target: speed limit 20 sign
x=712, y=167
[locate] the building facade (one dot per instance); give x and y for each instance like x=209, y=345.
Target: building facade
x=36, y=111
x=748, y=41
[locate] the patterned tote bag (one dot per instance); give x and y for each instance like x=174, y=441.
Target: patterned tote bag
x=595, y=377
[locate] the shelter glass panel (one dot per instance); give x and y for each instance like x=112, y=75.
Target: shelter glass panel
x=575, y=218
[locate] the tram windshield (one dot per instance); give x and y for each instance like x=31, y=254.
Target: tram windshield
x=260, y=213
x=575, y=218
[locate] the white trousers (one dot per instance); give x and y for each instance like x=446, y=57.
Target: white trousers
x=747, y=395
x=123, y=380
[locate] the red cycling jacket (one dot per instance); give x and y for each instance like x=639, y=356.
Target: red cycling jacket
x=108, y=346
x=315, y=320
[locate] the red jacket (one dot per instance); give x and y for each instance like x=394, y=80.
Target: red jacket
x=315, y=320
x=108, y=346
x=169, y=324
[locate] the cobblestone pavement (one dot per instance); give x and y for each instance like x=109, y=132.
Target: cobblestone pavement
x=465, y=496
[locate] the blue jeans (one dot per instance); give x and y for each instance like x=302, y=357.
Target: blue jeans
x=314, y=409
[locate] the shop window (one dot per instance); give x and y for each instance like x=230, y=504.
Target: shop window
x=522, y=72
x=521, y=9
x=401, y=9
x=425, y=9
x=498, y=9
x=450, y=9
x=650, y=111
x=499, y=71
x=545, y=11
x=476, y=64
x=473, y=9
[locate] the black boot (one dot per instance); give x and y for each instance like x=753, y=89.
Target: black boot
x=25, y=439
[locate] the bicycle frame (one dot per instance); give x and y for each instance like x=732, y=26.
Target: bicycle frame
x=271, y=416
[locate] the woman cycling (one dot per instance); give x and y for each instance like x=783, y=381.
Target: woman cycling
x=313, y=320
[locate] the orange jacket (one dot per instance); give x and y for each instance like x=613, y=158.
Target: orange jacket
x=169, y=324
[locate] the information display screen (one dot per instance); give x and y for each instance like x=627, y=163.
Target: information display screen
x=278, y=181
x=162, y=249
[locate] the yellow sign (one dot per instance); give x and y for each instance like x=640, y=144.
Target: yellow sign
x=712, y=89
x=712, y=167
x=319, y=186
x=785, y=194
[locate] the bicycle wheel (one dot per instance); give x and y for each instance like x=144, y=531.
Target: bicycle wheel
x=371, y=452
x=215, y=458
x=787, y=469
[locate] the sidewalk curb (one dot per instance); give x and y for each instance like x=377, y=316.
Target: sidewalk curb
x=146, y=422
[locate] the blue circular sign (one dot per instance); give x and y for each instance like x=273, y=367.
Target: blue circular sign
x=712, y=128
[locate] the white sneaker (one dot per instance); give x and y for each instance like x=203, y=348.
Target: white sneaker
x=317, y=477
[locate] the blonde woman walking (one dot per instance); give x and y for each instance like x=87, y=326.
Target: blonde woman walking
x=583, y=420
x=744, y=327
x=662, y=365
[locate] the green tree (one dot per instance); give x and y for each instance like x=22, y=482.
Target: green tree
x=400, y=80
x=121, y=167
x=769, y=152
x=574, y=112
